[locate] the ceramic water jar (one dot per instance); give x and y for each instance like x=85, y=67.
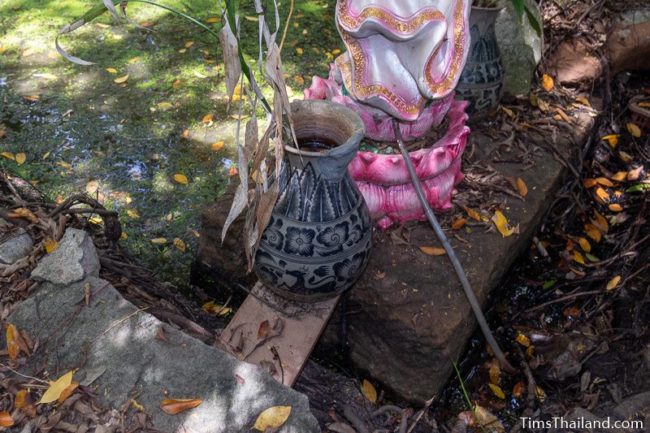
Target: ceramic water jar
x=318, y=240
x=481, y=82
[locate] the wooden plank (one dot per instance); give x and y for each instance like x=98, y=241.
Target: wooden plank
x=275, y=333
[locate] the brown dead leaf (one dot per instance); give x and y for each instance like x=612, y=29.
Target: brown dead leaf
x=518, y=389
x=272, y=418
x=620, y=176
x=263, y=330
x=369, y=391
x=615, y=207
x=433, y=251
x=50, y=244
x=613, y=283
x=175, y=406
x=5, y=419
x=604, y=181
x=634, y=129
x=67, y=392
x=593, y=232
x=474, y=214
x=522, y=188
x=208, y=118
x=600, y=222
x=458, y=223
x=23, y=212
x=547, y=82
x=495, y=372
x=13, y=346
x=632, y=175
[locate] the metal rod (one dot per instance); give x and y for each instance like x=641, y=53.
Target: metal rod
x=458, y=267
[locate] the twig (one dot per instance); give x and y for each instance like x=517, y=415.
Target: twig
x=23, y=375
x=458, y=267
x=421, y=413
x=286, y=24
x=564, y=298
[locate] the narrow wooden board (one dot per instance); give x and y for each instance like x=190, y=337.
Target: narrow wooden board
x=276, y=334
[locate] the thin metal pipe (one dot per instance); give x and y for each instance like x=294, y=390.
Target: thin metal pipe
x=458, y=267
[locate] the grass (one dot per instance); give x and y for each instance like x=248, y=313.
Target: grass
x=78, y=128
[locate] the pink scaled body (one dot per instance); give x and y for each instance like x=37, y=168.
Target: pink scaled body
x=383, y=179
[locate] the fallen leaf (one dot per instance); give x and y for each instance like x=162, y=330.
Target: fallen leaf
x=158, y=241
x=133, y=213
x=578, y=258
x=122, y=79
x=5, y=419
x=584, y=244
x=50, y=244
x=213, y=20
x=611, y=284
x=8, y=155
x=601, y=195
x=3, y=133
x=31, y=98
x=583, y=100
x=216, y=309
x=615, y=207
x=208, y=118
x=433, y=251
x=604, y=181
x=487, y=420
x=92, y=187
x=547, y=82
x=176, y=84
x=23, y=212
x=495, y=372
x=625, y=157
x=543, y=105
x=186, y=134
x=540, y=393
x=611, y=139
x=263, y=330
x=181, y=179
x=137, y=406
x=508, y=111
x=522, y=188
x=299, y=80
x=174, y=406
x=600, y=222
x=633, y=129
x=620, y=176
x=189, y=44
x=179, y=244
x=67, y=392
x=217, y=146
x=474, y=214
x=632, y=175
x=458, y=223
x=57, y=388
x=518, y=389
x=299, y=51
x=369, y=391
x=273, y=417
x=496, y=390
x=21, y=158
x=165, y=105
x=593, y=232
x=501, y=223
x=21, y=399
x=522, y=339
x=13, y=346
x=111, y=70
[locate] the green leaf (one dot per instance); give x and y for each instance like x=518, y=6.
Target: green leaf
x=519, y=7
x=532, y=19
x=548, y=284
x=639, y=187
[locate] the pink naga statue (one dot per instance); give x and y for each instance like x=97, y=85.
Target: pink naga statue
x=403, y=60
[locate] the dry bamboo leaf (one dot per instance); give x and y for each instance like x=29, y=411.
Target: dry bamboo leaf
x=56, y=388
x=600, y=222
x=487, y=420
x=369, y=391
x=231, y=58
x=122, y=79
x=433, y=251
x=577, y=257
x=601, y=195
x=272, y=418
x=174, y=406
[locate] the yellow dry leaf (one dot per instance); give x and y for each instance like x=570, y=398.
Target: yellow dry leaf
x=213, y=20
x=189, y=44
x=501, y=223
x=604, y=181
x=23, y=212
x=474, y=214
x=216, y=309
x=433, y=251
x=299, y=80
x=133, y=213
x=540, y=393
x=179, y=244
x=369, y=391
x=250, y=18
x=208, y=118
x=92, y=187
x=158, y=241
x=508, y=111
x=615, y=207
x=133, y=60
x=625, y=157
x=137, y=406
x=176, y=84
x=217, y=146
x=563, y=115
x=21, y=399
x=578, y=258
x=21, y=158
x=496, y=390
x=181, y=179
x=620, y=176
x=543, y=105
x=611, y=139
x=593, y=232
x=522, y=188
x=165, y=105
x=522, y=339
x=67, y=392
x=583, y=100
x=602, y=195
x=547, y=82
x=272, y=418
x=585, y=245
x=50, y=245
x=182, y=50
x=487, y=420
x=5, y=419
x=174, y=406
x=124, y=236
x=299, y=51
x=495, y=372
x=111, y=70
x=600, y=222
x=56, y=388
x=122, y=79
x=611, y=284
x=634, y=129
x=8, y=155
x=31, y=98
x=13, y=347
